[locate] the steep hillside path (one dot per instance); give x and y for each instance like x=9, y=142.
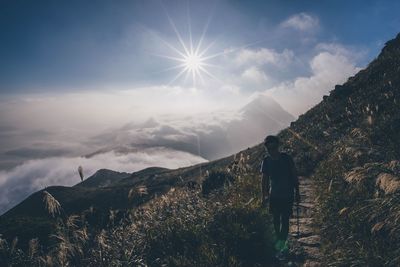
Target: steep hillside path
x=305, y=248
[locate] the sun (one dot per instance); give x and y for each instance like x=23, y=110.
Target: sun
x=192, y=59
x=193, y=62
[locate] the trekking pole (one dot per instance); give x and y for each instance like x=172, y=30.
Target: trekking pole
x=298, y=219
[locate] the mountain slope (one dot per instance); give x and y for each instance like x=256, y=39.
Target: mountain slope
x=102, y=178
x=31, y=215
x=355, y=128
x=350, y=145
x=369, y=101
x=256, y=116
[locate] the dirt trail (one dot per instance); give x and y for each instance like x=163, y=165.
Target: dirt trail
x=305, y=248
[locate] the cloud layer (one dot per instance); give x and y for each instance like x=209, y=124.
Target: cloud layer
x=168, y=141
x=19, y=182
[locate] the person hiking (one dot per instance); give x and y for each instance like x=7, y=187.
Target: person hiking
x=280, y=185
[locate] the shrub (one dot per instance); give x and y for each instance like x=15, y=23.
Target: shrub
x=216, y=179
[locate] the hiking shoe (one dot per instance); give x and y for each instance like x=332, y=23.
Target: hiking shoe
x=285, y=246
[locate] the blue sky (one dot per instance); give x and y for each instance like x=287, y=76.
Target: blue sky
x=70, y=45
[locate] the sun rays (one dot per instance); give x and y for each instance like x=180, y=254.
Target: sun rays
x=192, y=56
x=192, y=60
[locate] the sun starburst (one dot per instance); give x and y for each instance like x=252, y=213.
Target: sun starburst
x=194, y=64
x=193, y=60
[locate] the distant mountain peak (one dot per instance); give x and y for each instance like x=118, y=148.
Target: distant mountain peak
x=267, y=107
x=261, y=101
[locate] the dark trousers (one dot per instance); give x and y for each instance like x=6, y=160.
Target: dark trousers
x=281, y=209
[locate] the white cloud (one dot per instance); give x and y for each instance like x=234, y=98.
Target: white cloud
x=328, y=69
x=349, y=52
x=98, y=109
x=302, y=22
x=263, y=56
x=249, y=70
x=33, y=175
x=255, y=76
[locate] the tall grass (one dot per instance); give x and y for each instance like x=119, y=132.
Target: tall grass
x=359, y=207
x=184, y=227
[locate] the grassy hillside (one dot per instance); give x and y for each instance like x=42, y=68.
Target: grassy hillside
x=217, y=224
x=350, y=144
x=29, y=219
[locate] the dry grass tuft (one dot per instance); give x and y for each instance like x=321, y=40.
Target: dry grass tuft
x=3, y=243
x=388, y=183
x=14, y=245
x=72, y=221
x=356, y=175
x=101, y=239
x=377, y=227
x=394, y=165
x=33, y=247
x=52, y=205
x=357, y=132
x=343, y=211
